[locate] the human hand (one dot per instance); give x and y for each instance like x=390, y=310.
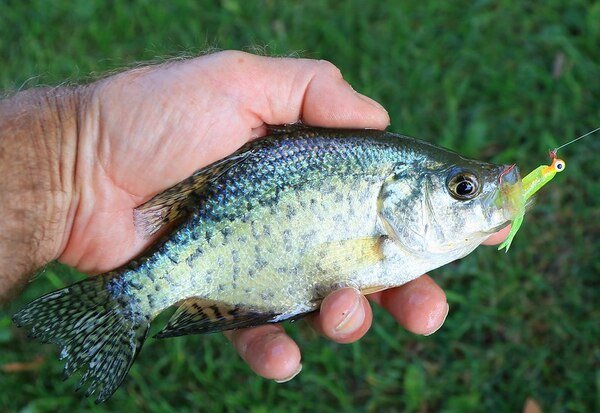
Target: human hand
x=141, y=131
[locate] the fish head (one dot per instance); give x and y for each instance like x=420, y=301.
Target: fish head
x=449, y=208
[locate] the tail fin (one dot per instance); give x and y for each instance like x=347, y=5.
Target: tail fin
x=92, y=328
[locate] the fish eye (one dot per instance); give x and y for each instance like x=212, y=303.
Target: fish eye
x=463, y=185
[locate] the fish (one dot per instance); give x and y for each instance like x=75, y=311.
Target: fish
x=262, y=236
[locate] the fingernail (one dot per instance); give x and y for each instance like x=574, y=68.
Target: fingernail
x=442, y=323
x=353, y=319
x=370, y=101
x=298, y=370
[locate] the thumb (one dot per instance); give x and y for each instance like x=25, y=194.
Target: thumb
x=287, y=90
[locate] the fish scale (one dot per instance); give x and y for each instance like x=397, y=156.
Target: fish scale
x=243, y=185
x=265, y=234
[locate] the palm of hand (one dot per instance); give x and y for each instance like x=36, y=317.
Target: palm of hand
x=152, y=130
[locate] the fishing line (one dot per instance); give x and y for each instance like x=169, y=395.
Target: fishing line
x=575, y=140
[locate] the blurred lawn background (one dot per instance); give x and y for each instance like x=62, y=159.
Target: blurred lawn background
x=501, y=81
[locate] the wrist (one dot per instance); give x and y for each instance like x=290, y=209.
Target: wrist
x=38, y=146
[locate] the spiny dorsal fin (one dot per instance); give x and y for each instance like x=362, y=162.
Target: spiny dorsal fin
x=179, y=200
x=288, y=128
x=200, y=316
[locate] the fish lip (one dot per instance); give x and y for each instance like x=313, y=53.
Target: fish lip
x=504, y=199
x=497, y=228
x=509, y=191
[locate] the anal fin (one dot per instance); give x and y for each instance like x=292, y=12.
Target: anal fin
x=201, y=316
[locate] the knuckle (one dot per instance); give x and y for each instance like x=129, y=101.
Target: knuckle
x=233, y=56
x=326, y=67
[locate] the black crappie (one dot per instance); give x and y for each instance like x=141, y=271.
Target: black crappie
x=265, y=234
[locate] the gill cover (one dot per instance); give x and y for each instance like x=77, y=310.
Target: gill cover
x=405, y=212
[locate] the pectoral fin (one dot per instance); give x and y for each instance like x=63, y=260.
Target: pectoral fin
x=200, y=316
x=337, y=262
x=347, y=256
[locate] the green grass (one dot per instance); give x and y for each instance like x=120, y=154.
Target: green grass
x=475, y=76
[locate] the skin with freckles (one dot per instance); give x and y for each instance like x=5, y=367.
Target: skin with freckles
x=144, y=130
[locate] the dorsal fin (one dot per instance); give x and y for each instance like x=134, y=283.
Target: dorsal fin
x=179, y=200
x=287, y=128
x=200, y=316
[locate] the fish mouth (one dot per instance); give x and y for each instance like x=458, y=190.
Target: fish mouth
x=503, y=203
x=509, y=192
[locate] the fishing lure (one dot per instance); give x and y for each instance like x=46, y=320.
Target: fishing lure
x=532, y=183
